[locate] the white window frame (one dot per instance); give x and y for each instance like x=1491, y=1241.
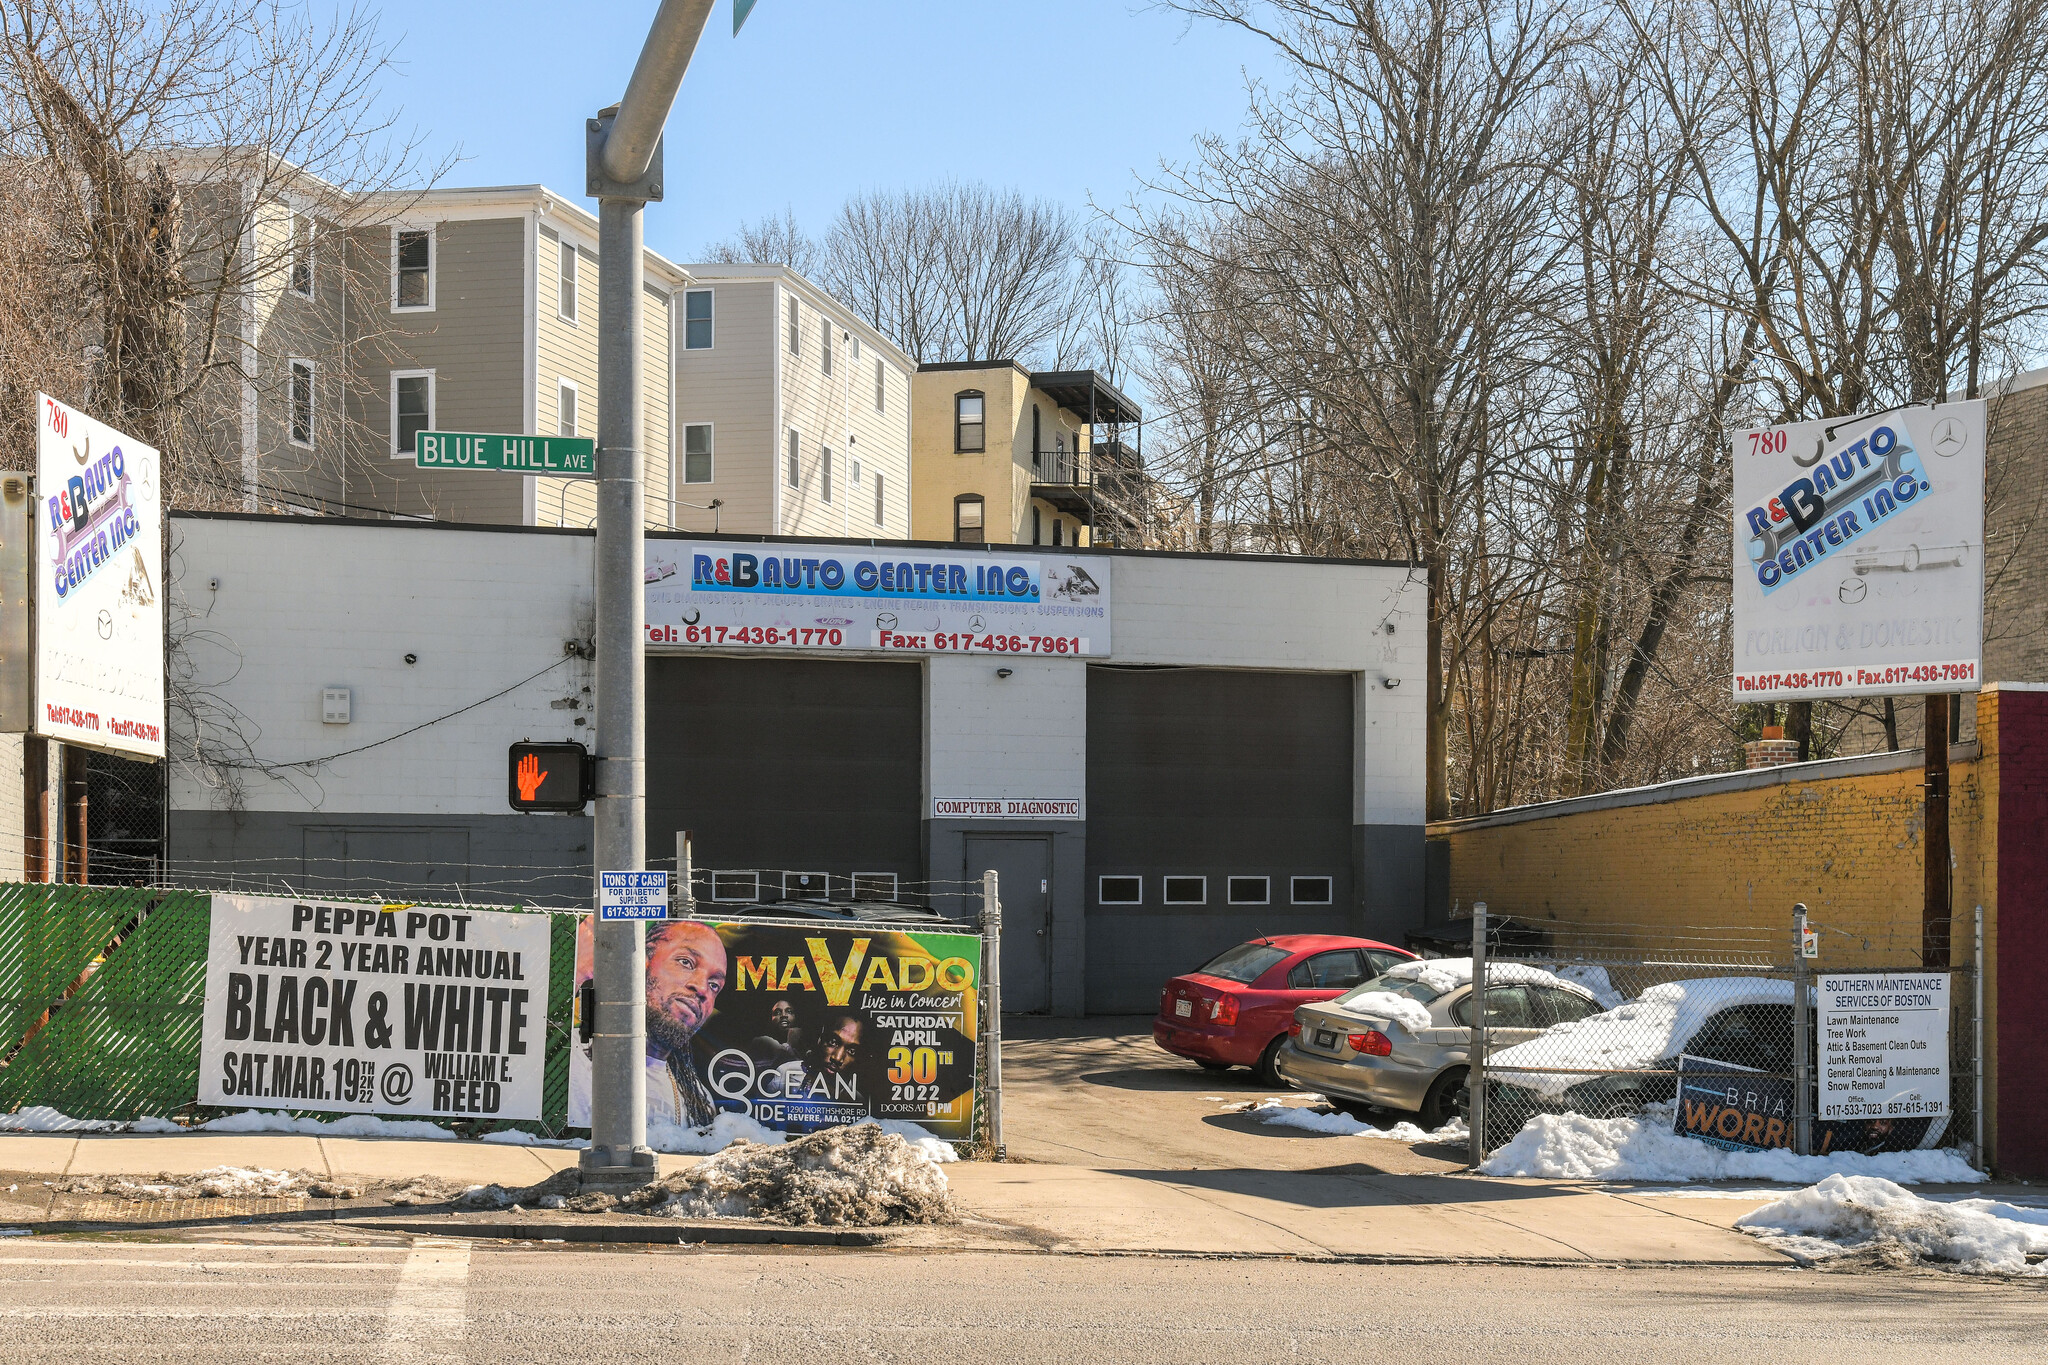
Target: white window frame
x=881, y=501
x=795, y=326
x=312, y=277
x=860, y=877
x=712, y=321
x=1230, y=890
x=881, y=385
x=563, y=384
x=710, y=451
x=433, y=268
x=1101, y=882
x=1166, y=899
x=752, y=895
x=433, y=399
x=1294, y=890
x=291, y=369
x=792, y=459
x=825, y=347
x=566, y=252
x=789, y=894
x=825, y=475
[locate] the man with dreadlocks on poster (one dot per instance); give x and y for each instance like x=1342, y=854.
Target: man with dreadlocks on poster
x=686, y=969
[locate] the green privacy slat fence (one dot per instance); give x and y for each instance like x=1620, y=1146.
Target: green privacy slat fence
x=101, y=990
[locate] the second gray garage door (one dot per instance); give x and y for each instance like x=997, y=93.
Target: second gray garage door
x=1219, y=807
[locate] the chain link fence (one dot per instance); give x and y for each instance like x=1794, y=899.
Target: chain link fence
x=1705, y=1037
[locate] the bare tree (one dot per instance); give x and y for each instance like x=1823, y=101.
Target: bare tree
x=172, y=162
x=769, y=241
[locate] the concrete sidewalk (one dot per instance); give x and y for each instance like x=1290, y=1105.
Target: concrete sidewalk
x=1344, y=1211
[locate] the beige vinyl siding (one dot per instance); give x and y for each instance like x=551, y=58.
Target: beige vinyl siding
x=569, y=351
x=291, y=327
x=731, y=386
x=474, y=341
x=826, y=409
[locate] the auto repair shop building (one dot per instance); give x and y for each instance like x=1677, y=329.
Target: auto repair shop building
x=1160, y=754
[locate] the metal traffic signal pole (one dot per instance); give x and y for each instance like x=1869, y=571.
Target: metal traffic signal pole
x=623, y=171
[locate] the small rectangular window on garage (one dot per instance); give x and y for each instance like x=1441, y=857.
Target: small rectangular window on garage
x=735, y=886
x=1120, y=891
x=1247, y=890
x=805, y=886
x=1187, y=891
x=874, y=886
x=1313, y=891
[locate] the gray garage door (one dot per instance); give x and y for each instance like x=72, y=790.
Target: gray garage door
x=787, y=765
x=1221, y=801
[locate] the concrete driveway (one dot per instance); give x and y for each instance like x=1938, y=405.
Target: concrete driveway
x=1100, y=1093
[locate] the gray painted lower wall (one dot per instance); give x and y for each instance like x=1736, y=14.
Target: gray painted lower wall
x=1389, y=859
x=956, y=892
x=532, y=859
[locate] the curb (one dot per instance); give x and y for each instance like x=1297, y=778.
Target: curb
x=641, y=1233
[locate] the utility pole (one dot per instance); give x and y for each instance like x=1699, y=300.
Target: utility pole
x=622, y=169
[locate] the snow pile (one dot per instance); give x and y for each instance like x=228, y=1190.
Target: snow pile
x=218, y=1182
x=1446, y=974
x=1891, y=1226
x=857, y=1175
x=726, y=1129
x=348, y=1125
x=854, y=1176
x=1591, y=977
x=1336, y=1122
x=41, y=1118
x=1574, y=1147
x=513, y=1137
x=1654, y=1027
x=1395, y=1009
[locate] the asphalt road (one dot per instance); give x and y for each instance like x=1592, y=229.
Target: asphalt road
x=450, y=1301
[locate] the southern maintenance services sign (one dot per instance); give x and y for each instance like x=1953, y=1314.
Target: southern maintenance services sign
x=897, y=599
x=1859, y=555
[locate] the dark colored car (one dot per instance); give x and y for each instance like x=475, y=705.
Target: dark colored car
x=1234, y=1010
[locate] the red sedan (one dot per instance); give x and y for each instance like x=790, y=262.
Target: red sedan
x=1234, y=1010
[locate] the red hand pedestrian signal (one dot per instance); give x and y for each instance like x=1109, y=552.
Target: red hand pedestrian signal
x=531, y=775
x=549, y=778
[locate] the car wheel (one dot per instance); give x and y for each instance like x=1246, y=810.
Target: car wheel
x=1445, y=1100
x=1265, y=1070
x=1207, y=1065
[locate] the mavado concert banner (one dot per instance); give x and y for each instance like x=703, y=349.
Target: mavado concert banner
x=802, y=1027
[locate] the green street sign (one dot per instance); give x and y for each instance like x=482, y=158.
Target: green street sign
x=571, y=456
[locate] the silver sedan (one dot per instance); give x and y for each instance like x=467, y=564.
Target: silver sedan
x=1403, y=1040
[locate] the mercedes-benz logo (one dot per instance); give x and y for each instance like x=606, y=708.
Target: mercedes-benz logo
x=397, y=1083
x=1950, y=438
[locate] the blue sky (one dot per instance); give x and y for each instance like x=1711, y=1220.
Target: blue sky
x=819, y=98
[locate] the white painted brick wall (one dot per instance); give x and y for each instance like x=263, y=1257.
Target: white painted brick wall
x=306, y=604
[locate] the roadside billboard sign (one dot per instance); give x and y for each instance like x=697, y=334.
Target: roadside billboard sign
x=1859, y=555
x=632, y=895
x=803, y=1026
x=374, y=1009
x=901, y=599
x=98, y=567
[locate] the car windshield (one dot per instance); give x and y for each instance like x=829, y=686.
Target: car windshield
x=1245, y=963
x=1391, y=985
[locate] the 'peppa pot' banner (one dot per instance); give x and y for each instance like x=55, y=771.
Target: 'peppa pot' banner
x=801, y=1027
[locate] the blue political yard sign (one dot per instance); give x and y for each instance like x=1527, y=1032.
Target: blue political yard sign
x=632, y=895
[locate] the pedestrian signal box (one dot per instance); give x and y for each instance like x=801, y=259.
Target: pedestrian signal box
x=560, y=778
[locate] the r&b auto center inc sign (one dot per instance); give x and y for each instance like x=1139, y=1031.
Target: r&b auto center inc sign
x=893, y=599
x=1859, y=555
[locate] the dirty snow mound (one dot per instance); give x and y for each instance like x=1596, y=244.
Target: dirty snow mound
x=220, y=1182
x=1891, y=1226
x=859, y=1176
x=1575, y=1147
x=1335, y=1121
x=348, y=1125
x=715, y=1136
